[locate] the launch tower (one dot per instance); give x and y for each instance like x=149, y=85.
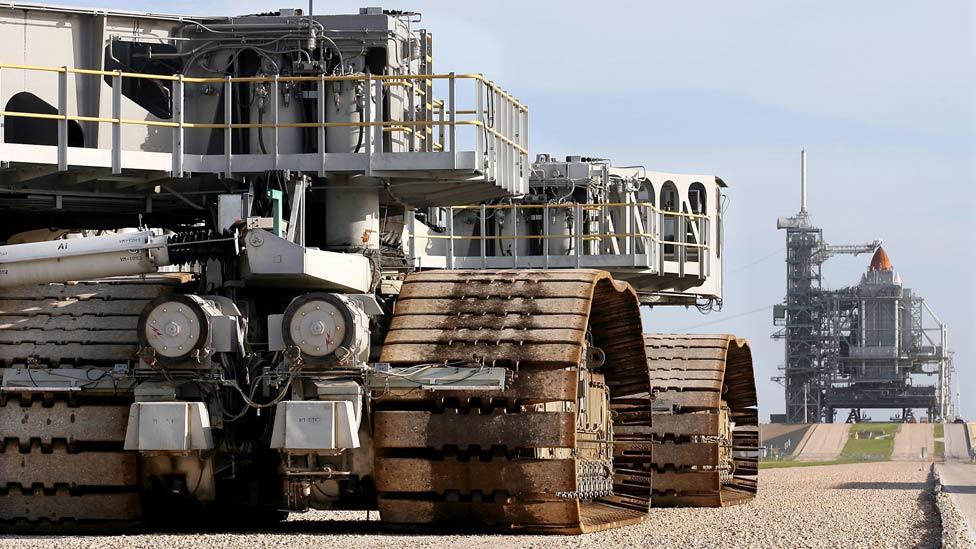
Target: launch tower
x=857, y=348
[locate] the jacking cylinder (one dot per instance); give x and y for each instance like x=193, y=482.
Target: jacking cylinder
x=82, y=258
x=324, y=329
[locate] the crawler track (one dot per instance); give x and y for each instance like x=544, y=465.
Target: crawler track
x=481, y=458
x=694, y=378
x=62, y=467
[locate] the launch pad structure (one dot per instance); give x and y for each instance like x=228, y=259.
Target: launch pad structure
x=856, y=348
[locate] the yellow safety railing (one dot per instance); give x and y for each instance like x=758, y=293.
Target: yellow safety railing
x=636, y=233
x=500, y=131
x=392, y=78
x=587, y=236
x=571, y=205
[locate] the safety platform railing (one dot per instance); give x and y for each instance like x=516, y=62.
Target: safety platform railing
x=636, y=235
x=498, y=121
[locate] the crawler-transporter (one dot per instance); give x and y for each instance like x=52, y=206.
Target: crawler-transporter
x=271, y=263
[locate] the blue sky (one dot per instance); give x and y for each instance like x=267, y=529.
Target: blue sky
x=882, y=94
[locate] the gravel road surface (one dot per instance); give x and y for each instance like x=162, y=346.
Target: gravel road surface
x=863, y=505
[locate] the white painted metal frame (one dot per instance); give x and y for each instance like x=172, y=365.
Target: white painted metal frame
x=500, y=136
x=640, y=251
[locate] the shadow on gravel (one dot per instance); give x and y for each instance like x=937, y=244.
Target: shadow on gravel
x=881, y=486
x=959, y=489
x=376, y=528
x=931, y=521
x=223, y=527
x=299, y=526
x=332, y=527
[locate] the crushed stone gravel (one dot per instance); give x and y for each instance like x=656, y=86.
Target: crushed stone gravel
x=859, y=505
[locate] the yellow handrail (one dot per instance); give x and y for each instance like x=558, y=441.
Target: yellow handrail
x=571, y=205
x=593, y=236
x=253, y=125
x=391, y=79
x=236, y=79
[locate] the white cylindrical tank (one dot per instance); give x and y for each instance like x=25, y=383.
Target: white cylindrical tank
x=266, y=97
x=344, y=104
x=352, y=213
x=352, y=205
x=508, y=222
x=560, y=230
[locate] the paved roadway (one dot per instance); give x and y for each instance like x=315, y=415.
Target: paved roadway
x=956, y=442
x=781, y=437
x=825, y=442
x=959, y=480
x=910, y=440
x=775, y=430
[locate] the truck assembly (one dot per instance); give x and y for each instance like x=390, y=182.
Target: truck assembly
x=256, y=265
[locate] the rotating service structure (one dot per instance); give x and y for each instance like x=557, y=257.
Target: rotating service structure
x=271, y=263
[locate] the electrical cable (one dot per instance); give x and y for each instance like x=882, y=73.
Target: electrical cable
x=757, y=261
x=730, y=317
x=261, y=132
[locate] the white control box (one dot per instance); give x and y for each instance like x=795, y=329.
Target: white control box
x=315, y=425
x=168, y=427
